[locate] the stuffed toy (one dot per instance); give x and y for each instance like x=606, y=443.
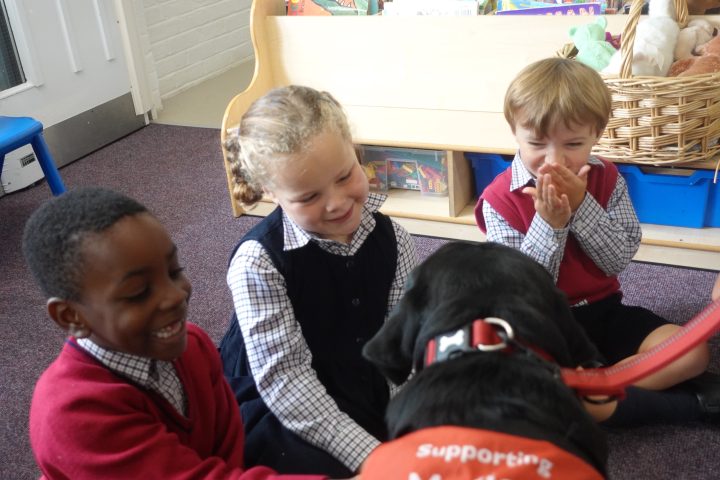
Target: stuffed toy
x=655, y=41
x=697, y=32
x=614, y=40
x=708, y=61
x=589, y=39
x=710, y=48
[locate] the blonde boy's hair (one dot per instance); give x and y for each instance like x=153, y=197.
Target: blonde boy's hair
x=556, y=90
x=276, y=129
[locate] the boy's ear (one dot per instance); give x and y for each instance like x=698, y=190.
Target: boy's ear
x=66, y=316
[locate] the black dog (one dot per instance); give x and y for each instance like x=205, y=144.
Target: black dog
x=513, y=391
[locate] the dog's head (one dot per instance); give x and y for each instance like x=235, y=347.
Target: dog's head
x=510, y=392
x=461, y=282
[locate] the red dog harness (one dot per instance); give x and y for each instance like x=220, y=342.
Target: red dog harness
x=460, y=453
x=493, y=334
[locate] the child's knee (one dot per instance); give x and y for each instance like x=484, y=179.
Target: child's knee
x=698, y=359
x=694, y=362
x=691, y=364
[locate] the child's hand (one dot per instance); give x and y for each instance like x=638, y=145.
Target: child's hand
x=566, y=182
x=553, y=208
x=600, y=407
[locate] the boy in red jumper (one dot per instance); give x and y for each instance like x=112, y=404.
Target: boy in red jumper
x=571, y=212
x=136, y=392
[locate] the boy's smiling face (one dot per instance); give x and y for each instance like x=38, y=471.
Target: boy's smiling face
x=134, y=295
x=567, y=146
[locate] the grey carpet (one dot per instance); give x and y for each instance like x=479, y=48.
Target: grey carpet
x=178, y=173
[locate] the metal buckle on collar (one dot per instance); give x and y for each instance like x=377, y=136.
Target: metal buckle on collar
x=482, y=334
x=481, y=331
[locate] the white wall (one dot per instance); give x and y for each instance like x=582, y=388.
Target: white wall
x=193, y=40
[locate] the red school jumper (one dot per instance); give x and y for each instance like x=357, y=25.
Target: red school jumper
x=578, y=277
x=87, y=422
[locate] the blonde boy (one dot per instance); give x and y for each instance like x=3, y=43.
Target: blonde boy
x=571, y=212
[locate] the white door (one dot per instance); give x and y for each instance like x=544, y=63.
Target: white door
x=76, y=76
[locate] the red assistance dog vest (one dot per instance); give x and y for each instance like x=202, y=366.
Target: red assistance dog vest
x=459, y=453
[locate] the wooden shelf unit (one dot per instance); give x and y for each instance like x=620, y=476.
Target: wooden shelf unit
x=416, y=82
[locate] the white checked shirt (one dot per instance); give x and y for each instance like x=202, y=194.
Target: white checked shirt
x=156, y=375
x=609, y=237
x=278, y=354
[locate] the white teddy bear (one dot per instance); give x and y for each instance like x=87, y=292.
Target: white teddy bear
x=655, y=41
x=698, y=32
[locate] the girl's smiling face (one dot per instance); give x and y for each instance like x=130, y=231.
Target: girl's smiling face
x=323, y=190
x=134, y=295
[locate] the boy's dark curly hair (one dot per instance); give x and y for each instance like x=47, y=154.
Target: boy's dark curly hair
x=54, y=233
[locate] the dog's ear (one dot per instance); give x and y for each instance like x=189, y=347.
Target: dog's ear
x=391, y=349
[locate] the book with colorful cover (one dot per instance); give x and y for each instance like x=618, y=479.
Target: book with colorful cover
x=540, y=8
x=549, y=7
x=332, y=7
x=455, y=8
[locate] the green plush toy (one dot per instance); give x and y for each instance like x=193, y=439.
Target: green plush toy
x=589, y=39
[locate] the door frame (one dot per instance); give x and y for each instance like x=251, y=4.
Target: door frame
x=130, y=28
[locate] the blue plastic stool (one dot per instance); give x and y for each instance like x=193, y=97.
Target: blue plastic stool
x=18, y=131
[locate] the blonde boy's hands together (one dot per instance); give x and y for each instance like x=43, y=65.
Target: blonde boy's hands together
x=554, y=208
x=558, y=192
x=569, y=183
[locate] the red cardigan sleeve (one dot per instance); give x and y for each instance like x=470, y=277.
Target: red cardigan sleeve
x=87, y=422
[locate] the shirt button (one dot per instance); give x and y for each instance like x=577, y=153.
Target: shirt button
x=355, y=302
x=349, y=264
x=359, y=340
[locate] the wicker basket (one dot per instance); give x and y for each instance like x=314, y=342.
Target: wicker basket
x=659, y=120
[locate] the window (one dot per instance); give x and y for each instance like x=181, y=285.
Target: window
x=11, y=73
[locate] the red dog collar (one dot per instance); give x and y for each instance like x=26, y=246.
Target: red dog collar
x=495, y=334
x=483, y=334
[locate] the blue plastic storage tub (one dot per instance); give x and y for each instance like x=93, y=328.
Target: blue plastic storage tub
x=678, y=197
x=487, y=166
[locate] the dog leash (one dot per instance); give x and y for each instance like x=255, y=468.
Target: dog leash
x=613, y=380
x=495, y=334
